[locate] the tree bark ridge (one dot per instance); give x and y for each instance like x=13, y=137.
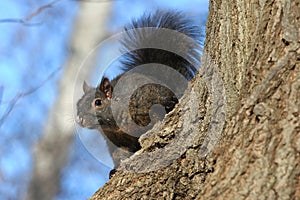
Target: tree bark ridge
x=256, y=50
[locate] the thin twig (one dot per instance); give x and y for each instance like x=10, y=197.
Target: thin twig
x=40, y=9
x=1, y=93
x=20, y=95
x=19, y=21
x=25, y=21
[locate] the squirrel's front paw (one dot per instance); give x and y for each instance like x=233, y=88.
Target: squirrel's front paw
x=112, y=172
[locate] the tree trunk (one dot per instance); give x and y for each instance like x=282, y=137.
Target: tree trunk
x=244, y=140
x=52, y=150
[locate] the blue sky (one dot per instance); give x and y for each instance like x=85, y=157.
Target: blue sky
x=28, y=55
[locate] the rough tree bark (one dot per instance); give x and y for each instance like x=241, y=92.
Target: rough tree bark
x=254, y=49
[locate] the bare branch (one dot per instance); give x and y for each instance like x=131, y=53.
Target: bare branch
x=1, y=93
x=20, y=21
x=20, y=95
x=40, y=9
x=32, y=90
x=9, y=109
x=25, y=21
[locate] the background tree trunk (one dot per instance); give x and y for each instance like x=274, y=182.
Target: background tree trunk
x=252, y=49
x=52, y=151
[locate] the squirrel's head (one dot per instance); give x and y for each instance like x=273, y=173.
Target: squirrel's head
x=93, y=109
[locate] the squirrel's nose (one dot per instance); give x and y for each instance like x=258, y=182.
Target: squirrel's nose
x=79, y=120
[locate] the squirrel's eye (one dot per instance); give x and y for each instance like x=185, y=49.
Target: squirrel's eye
x=97, y=102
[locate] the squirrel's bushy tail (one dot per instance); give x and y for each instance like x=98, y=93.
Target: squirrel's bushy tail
x=165, y=37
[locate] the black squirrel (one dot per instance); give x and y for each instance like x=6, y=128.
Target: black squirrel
x=141, y=46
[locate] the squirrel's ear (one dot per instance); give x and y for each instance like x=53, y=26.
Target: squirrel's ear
x=85, y=87
x=106, y=87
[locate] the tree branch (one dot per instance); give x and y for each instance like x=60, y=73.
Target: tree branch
x=26, y=21
x=20, y=95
